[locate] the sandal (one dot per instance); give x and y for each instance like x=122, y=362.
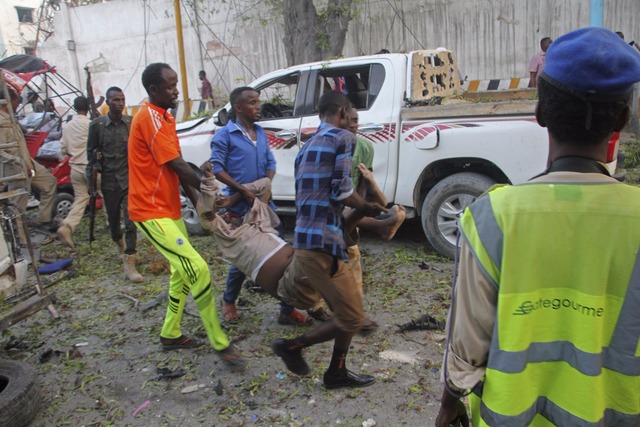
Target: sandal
x=321, y=314
x=232, y=358
x=177, y=343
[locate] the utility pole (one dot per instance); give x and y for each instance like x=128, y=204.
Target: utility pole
x=596, y=17
x=183, y=67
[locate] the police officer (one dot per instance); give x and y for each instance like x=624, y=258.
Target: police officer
x=544, y=324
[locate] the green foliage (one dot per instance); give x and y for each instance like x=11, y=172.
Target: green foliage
x=206, y=113
x=322, y=41
x=632, y=153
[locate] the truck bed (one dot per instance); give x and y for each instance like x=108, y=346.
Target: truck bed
x=477, y=104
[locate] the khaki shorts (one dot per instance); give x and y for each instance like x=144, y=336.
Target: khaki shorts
x=308, y=280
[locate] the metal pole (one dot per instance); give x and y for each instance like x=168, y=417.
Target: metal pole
x=183, y=66
x=596, y=18
x=35, y=46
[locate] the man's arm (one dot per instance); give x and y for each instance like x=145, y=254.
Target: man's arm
x=64, y=141
x=356, y=201
x=470, y=328
x=225, y=178
x=532, y=79
x=341, y=183
x=187, y=176
x=370, y=185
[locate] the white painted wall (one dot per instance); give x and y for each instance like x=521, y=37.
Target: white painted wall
x=492, y=38
x=14, y=35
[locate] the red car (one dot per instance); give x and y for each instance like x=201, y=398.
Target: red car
x=60, y=170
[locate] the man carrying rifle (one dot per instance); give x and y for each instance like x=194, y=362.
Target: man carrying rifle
x=74, y=143
x=107, y=151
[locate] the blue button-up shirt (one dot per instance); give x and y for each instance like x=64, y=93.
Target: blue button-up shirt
x=233, y=151
x=323, y=180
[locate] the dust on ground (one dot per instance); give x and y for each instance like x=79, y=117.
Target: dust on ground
x=99, y=363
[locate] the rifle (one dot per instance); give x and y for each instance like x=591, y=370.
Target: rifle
x=92, y=100
x=92, y=203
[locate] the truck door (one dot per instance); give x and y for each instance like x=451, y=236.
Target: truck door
x=281, y=110
x=370, y=87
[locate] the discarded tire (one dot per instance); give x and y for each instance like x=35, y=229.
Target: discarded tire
x=19, y=394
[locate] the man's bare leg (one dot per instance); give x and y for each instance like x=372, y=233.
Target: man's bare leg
x=386, y=227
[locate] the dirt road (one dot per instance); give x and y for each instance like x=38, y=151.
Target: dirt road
x=100, y=364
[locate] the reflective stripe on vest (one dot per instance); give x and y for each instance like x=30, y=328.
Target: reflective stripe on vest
x=555, y=415
x=618, y=363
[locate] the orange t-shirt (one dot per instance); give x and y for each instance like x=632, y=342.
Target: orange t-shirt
x=154, y=190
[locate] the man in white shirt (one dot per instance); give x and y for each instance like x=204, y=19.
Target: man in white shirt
x=74, y=143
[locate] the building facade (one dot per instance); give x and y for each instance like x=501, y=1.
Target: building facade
x=234, y=43
x=18, y=26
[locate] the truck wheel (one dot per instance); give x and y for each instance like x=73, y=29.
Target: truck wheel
x=189, y=213
x=19, y=393
x=444, y=205
x=62, y=205
x=190, y=216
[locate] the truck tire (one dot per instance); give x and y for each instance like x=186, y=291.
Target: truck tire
x=188, y=211
x=444, y=205
x=190, y=216
x=19, y=393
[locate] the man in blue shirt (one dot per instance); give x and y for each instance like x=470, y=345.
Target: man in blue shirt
x=319, y=268
x=240, y=154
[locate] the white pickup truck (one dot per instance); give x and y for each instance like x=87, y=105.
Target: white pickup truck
x=435, y=151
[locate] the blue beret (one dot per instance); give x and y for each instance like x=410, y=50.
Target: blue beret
x=592, y=62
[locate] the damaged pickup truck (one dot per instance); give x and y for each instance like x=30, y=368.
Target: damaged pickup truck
x=436, y=148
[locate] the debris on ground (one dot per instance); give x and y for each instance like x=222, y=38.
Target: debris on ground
x=369, y=423
x=218, y=388
x=156, y=302
x=48, y=354
x=397, y=356
x=164, y=373
x=192, y=388
x=14, y=343
x=141, y=407
x=424, y=266
x=423, y=323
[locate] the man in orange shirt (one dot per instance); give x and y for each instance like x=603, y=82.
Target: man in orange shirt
x=156, y=170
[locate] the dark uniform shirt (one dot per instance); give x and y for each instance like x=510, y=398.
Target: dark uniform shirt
x=111, y=139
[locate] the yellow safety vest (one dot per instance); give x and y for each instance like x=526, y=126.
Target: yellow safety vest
x=565, y=348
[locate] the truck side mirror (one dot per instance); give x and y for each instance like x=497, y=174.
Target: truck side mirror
x=222, y=118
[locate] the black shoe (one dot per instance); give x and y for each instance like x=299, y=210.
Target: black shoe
x=352, y=380
x=292, y=358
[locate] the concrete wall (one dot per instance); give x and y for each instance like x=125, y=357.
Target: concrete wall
x=14, y=35
x=492, y=38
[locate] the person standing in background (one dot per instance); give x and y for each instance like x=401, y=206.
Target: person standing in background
x=74, y=144
x=107, y=151
x=537, y=61
x=206, y=92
